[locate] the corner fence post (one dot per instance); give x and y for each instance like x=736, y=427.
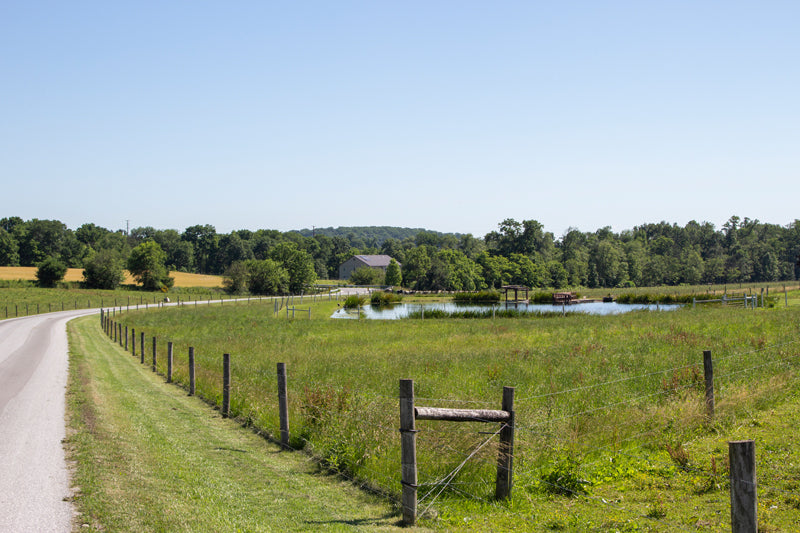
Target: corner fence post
x=505, y=458
x=408, y=452
x=283, y=405
x=191, y=371
x=708, y=372
x=744, y=498
x=226, y=385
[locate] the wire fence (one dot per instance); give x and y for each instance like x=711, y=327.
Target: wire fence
x=549, y=455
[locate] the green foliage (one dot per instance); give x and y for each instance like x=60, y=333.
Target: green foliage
x=9, y=249
x=235, y=278
x=384, y=298
x=103, y=270
x=146, y=265
x=298, y=263
x=488, y=296
x=365, y=275
x=266, y=277
x=564, y=478
x=394, y=276
x=355, y=301
x=50, y=271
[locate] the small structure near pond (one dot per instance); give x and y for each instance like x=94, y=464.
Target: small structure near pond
x=563, y=298
x=517, y=289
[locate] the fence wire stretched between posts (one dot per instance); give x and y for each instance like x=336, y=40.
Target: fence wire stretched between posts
x=557, y=425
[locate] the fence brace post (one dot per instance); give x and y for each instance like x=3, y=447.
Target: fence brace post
x=505, y=458
x=408, y=452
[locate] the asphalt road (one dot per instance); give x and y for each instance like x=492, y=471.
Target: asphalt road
x=34, y=480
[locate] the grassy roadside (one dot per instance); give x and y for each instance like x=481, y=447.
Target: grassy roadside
x=149, y=458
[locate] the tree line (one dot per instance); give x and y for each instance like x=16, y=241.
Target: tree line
x=523, y=253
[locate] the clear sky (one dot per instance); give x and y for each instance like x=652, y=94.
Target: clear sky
x=447, y=115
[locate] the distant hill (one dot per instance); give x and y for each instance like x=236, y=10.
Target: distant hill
x=377, y=234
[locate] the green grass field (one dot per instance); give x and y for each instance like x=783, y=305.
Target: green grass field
x=150, y=458
x=610, y=405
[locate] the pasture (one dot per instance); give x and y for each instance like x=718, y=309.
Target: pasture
x=611, y=427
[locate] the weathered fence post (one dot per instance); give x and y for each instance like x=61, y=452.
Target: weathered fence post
x=708, y=372
x=154, y=353
x=226, y=385
x=126, y=338
x=408, y=452
x=191, y=370
x=116, y=326
x=142, y=344
x=283, y=405
x=169, y=362
x=505, y=458
x=133, y=342
x=744, y=498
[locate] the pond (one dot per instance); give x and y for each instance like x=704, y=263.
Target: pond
x=398, y=311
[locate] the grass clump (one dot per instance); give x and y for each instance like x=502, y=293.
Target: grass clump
x=354, y=301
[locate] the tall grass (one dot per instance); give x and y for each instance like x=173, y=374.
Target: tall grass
x=584, y=383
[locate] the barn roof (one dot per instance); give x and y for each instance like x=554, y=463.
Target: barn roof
x=375, y=260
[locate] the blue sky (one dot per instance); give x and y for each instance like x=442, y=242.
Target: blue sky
x=448, y=115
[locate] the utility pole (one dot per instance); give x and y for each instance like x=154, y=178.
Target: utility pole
x=127, y=227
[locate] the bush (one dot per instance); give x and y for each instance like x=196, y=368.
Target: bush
x=50, y=271
x=103, y=271
x=385, y=298
x=367, y=276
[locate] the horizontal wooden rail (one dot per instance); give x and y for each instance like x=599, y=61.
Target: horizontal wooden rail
x=461, y=415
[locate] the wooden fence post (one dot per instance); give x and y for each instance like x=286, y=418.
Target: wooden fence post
x=283, y=405
x=408, y=452
x=154, y=353
x=142, y=345
x=126, y=338
x=133, y=342
x=708, y=372
x=505, y=458
x=115, y=331
x=226, y=385
x=169, y=362
x=744, y=498
x=191, y=370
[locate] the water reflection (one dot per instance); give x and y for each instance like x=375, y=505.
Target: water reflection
x=398, y=311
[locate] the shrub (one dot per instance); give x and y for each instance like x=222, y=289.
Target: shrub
x=385, y=298
x=50, y=271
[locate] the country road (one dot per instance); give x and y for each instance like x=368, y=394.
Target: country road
x=34, y=481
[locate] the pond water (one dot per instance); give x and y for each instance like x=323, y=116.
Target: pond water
x=397, y=311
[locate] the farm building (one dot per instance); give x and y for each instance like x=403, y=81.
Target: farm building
x=379, y=262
